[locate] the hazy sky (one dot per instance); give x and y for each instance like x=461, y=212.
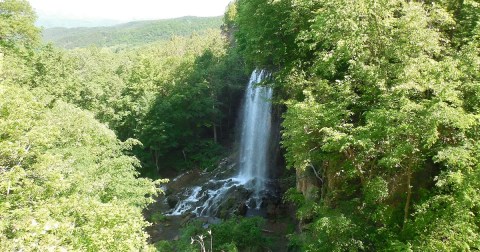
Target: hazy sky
x=126, y=10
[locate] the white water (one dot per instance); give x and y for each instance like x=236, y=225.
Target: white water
x=253, y=157
x=186, y=204
x=206, y=200
x=255, y=136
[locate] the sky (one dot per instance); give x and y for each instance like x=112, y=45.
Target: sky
x=127, y=10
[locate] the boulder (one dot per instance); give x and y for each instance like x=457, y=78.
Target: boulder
x=172, y=201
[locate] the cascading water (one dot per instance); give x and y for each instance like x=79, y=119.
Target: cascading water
x=255, y=136
x=206, y=199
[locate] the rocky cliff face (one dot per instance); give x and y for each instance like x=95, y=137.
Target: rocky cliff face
x=308, y=184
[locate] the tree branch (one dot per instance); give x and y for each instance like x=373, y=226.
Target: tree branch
x=26, y=152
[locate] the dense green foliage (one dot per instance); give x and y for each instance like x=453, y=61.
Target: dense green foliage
x=16, y=19
x=130, y=34
x=66, y=181
x=237, y=234
x=382, y=113
x=69, y=120
x=177, y=97
x=382, y=105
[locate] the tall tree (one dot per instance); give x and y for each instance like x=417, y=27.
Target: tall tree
x=381, y=108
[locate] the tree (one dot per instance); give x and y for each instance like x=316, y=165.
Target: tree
x=381, y=106
x=17, y=24
x=65, y=182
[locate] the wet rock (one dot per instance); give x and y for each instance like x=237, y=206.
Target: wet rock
x=242, y=209
x=218, y=193
x=186, y=219
x=234, y=203
x=172, y=201
x=179, y=183
x=167, y=192
x=272, y=210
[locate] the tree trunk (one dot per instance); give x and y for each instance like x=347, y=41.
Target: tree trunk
x=157, y=157
x=409, y=196
x=215, y=138
x=350, y=155
x=184, y=155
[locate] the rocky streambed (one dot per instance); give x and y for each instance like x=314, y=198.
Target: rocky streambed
x=211, y=197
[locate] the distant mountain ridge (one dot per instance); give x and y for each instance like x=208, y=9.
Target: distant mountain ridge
x=129, y=34
x=48, y=22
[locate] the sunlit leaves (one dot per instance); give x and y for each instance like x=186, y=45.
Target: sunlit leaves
x=387, y=92
x=17, y=25
x=65, y=183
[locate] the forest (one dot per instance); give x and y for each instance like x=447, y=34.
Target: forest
x=379, y=103
x=133, y=33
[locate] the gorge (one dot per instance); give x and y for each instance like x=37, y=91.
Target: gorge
x=376, y=106
x=253, y=160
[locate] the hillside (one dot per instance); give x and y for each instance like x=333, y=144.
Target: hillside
x=358, y=130
x=129, y=34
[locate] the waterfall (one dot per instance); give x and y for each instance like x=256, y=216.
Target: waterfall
x=250, y=182
x=255, y=135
